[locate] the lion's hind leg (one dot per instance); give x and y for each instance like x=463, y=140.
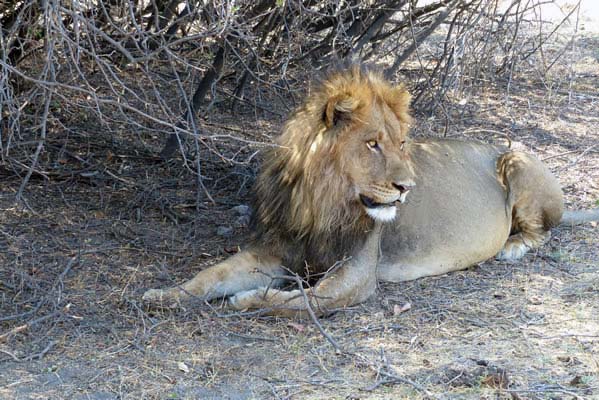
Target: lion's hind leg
x=535, y=201
x=520, y=243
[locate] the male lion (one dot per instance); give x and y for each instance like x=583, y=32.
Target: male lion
x=347, y=194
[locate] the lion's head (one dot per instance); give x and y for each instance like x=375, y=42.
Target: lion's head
x=342, y=160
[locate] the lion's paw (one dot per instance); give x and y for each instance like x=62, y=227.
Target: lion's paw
x=512, y=251
x=247, y=299
x=160, y=298
x=153, y=296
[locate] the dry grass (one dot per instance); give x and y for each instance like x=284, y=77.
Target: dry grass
x=74, y=266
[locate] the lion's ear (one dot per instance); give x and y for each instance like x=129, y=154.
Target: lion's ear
x=339, y=110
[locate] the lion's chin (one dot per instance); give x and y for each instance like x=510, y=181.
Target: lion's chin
x=382, y=213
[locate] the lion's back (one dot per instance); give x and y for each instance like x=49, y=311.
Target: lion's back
x=457, y=211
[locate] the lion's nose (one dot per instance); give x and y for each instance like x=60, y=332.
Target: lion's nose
x=403, y=187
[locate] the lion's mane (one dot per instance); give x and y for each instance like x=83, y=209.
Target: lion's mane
x=304, y=205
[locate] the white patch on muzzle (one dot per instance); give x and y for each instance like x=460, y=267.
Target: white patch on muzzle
x=383, y=214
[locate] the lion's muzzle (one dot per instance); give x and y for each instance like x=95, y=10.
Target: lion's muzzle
x=381, y=205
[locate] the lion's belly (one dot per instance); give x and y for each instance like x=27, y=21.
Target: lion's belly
x=455, y=216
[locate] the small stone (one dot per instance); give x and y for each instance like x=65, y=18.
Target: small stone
x=242, y=221
x=183, y=367
x=224, y=231
x=242, y=209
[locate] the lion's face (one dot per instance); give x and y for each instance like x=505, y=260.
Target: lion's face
x=375, y=159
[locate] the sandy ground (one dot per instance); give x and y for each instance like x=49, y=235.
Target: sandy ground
x=73, y=268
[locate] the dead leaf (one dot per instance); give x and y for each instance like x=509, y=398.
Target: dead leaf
x=534, y=300
x=496, y=379
x=297, y=327
x=232, y=250
x=569, y=360
x=397, y=309
x=578, y=381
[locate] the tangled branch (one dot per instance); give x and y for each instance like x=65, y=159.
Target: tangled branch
x=154, y=67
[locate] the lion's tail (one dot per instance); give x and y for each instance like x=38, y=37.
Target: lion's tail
x=579, y=216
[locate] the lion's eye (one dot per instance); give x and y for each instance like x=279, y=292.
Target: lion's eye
x=402, y=145
x=372, y=144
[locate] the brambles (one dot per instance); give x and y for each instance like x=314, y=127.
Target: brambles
x=151, y=67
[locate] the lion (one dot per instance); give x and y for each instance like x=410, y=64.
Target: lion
x=348, y=196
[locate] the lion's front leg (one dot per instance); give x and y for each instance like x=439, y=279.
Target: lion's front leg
x=270, y=301
x=351, y=284
x=322, y=299
x=249, y=269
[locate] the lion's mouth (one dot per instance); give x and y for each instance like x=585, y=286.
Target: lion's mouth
x=370, y=203
x=383, y=212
